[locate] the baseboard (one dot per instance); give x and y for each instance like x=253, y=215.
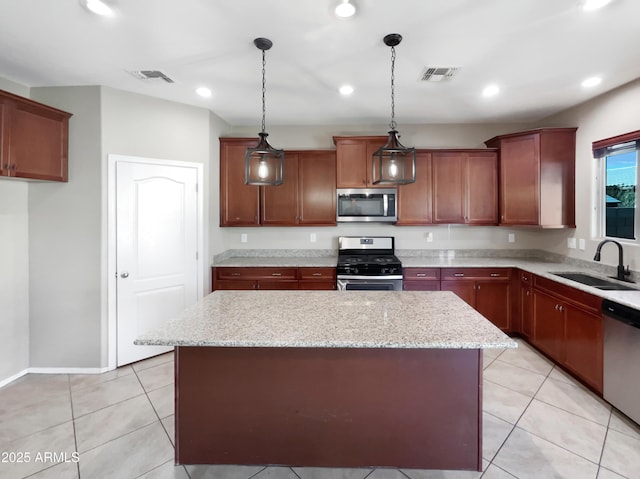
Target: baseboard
x=10, y=379
x=68, y=370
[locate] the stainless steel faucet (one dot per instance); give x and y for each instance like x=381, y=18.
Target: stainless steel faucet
x=622, y=271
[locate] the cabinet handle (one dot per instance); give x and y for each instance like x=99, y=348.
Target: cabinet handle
x=478, y=287
x=560, y=308
x=421, y=275
x=524, y=278
x=317, y=274
x=235, y=274
x=494, y=275
x=13, y=167
x=276, y=274
x=527, y=293
x=458, y=275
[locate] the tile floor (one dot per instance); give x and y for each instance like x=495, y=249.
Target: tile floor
x=538, y=423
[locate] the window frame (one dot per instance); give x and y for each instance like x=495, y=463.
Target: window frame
x=601, y=150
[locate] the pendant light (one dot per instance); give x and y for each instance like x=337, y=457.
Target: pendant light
x=263, y=165
x=393, y=163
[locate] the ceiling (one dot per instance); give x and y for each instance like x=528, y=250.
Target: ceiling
x=537, y=51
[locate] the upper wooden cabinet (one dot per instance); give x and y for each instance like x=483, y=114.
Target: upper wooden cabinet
x=34, y=139
x=452, y=186
x=414, y=199
x=354, y=160
x=306, y=197
x=537, y=177
x=239, y=203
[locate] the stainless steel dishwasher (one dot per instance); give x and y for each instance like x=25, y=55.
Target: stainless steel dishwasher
x=622, y=357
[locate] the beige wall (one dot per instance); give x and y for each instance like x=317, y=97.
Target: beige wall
x=610, y=114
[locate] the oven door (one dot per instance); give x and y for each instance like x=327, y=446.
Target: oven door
x=378, y=283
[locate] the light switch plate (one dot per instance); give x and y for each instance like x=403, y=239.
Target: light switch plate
x=313, y=238
x=581, y=244
x=243, y=238
x=571, y=243
x=429, y=236
x=512, y=238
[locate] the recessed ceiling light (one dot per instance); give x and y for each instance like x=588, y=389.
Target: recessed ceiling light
x=593, y=81
x=346, y=90
x=345, y=9
x=590, y=5
x=204, y=92
x=491, y=90
x=99, y=8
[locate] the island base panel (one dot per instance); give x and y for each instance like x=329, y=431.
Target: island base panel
x=326, y=407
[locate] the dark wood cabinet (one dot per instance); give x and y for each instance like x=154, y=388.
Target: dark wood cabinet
x=239, y=203
x=354, y=160
x=414, y=199
x=526, y=304
x=451, y=187
x=317, y=188
x=567, y=325
x=273, y=278
x=317, y=278
x=421, y=279
x=488, y=290
x=34, y=139
x=537, y=177
x=254, y=278
x=306, y=197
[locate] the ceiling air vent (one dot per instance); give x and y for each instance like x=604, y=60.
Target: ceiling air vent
x=438, y=73
x=151, y=75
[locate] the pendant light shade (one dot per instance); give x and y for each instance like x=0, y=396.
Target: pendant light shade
x=263, y=164
x=393, y=163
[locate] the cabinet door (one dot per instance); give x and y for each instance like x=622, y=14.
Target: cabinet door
x=317, y=188
x=520, y=180
x=465, y=290
x=414, y=199
x=421, y=285
x=38, y=142
x=526, y=310
x=481, y=202
x=493, y=301
x=448, y=187
x=583, y=345
x=233, y=284
x=239, y=203
x=548, y=325
x=4, y=137
x=351, y=169
x=372, y=145
x=279, y=204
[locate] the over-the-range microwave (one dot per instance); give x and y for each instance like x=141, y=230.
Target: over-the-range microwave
x=366, y=205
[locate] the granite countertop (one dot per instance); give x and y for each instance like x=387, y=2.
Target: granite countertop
x=331, y=319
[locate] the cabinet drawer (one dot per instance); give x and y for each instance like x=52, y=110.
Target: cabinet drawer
x=317, y=274
x=567, y=293
x=452, y=274
x=256, y=273
x=421, y=274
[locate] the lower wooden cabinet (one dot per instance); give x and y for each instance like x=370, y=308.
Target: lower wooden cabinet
x=488, y=290
x=568, y=326
x=272, y=278
x=421, y=279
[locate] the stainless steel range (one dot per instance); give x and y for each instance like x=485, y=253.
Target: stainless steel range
x=368, y=263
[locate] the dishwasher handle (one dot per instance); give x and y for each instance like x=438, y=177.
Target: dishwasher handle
x=622, y=313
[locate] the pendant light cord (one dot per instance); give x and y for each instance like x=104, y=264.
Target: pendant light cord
x=264, y=69
x=393, y=123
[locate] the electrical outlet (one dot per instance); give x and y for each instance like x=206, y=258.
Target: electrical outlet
x=581, y=244
x=429, y=236
x=512, y=238
x=571, y=243
x=243, y=238
x=313, y=238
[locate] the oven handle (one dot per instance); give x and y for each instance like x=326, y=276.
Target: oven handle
x=375, y=278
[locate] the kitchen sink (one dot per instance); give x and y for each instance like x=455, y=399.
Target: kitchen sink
x=594, y=281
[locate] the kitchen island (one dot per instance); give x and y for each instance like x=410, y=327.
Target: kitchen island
x=330, y=379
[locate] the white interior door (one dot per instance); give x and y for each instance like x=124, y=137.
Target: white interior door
x=156, y=250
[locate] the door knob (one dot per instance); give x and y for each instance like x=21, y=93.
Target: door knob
x=124, y=275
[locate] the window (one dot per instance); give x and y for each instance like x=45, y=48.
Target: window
x=619, y=166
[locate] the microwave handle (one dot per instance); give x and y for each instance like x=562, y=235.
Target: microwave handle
x=385, y=204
